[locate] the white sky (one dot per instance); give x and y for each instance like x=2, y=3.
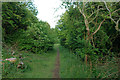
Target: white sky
x=46, y=11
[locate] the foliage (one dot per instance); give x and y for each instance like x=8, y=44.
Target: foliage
x=19, y=19
x=90, y=33
x=16, y=18
x=37, y=39
x=87, y=38
x=75, y=68
x=35, y=65
x=9, y=70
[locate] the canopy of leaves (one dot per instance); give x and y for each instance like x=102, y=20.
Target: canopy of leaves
x=21, y=26
x=74, y=35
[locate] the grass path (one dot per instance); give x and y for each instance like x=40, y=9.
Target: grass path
x=59, y=63
x=42, y=66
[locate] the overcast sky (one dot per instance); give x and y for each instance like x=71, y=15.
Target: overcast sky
x=47, y=11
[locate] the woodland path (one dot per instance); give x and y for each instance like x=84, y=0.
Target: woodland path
x=43, y=65
x=57, y=65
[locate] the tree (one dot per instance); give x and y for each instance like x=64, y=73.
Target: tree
x=19, y=19
x=90, y=22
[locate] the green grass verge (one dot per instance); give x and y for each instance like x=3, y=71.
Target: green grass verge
x=42, y=66
x=39, y=65
x=71, y=67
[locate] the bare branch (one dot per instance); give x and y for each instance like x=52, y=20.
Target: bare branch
x=116, y=27
x=98, y=27
x=83, y=6
x=116, y=22
x=110, y=74
x=95, y=12
x=81, y=12
x=94, y=17
x=92, y=14
x=85, y=19
x=86, y=2
x=109, y=12
x=115, y=11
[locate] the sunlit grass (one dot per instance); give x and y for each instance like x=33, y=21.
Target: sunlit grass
x=39, y=65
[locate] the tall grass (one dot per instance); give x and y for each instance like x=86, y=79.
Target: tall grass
x=107, y=68
x=73, y=67
x=36, y=65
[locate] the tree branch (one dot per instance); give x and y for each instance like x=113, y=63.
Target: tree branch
x=94, y=17
x=85, y=19
x=98, y=27
x=116, y=22
x=109, y=12
x=94, y=12
x=115, y=11
x=116, y=27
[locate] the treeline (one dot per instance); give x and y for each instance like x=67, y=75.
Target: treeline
x=90, y=30
x=21, y=27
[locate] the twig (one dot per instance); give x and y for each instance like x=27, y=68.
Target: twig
x=98, y=27
x=110, y=74
x=109, y=12
x=108, y=71
x=115, y=11
x=116, y=22
x=94, y=12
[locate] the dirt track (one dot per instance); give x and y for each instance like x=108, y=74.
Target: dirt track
x=57, y=66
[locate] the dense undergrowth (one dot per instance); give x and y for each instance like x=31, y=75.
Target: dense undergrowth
x=74, y=67
x=22, y=28
x=35, y=65
x=9, y=69
x=89, y=31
